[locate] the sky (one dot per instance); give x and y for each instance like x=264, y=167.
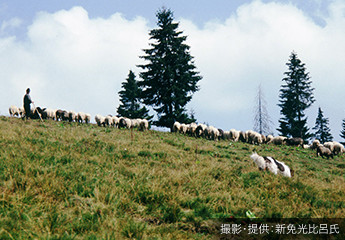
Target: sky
x=74, y=54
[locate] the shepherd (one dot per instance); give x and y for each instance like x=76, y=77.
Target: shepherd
x=27, y=102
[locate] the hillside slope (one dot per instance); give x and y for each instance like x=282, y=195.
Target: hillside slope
x=77, y=181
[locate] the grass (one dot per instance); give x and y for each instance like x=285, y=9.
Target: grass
x=77, y=181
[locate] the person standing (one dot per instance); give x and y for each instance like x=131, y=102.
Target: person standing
x=27, y=102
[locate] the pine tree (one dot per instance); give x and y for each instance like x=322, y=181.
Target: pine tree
x=342, y=132
x=296, y=95
x=169, y=78
x=262, y=121
x=322, y=131
x=130, y=100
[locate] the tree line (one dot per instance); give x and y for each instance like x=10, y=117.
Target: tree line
x=296, y=95
x=169, y=79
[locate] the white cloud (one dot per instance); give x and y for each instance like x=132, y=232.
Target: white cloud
x=10, y=24
x=252, y=47
x=72, y=61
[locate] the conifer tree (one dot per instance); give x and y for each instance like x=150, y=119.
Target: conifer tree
x=322, y=131
x=342, y=132
x=296, y=95
x=169, y=78
x=130, y=100
x=262, y=121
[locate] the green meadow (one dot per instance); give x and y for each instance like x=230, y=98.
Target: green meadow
x=77, y=181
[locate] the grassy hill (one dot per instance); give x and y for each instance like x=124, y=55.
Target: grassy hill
x=76, y=181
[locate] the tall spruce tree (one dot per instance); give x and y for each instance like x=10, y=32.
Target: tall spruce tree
x=322, y=131
x=296, y=95
x=169, y=79
x=342, y=132
x=130, y=100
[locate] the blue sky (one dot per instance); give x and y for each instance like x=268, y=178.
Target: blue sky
x=199, y=11
x=75, y=54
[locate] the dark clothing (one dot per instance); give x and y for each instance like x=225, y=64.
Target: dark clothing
x=27, y=102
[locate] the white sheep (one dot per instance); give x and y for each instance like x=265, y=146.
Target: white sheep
x=81, y=117
x=51, y=113
x=128, y=123
x=116, y=121
x=269, y=138
x=135, y=123
x=65, y=115
x=100, y=120
x=234, y=135
x=323, y=151
x=183, y=128
x=191, y=129
x=176, y=127
x=243, y=137
x=125, y=123
x=329, y=145
x=279, y=140
x=14, y=111
x=212, y=133
x=254, y=137
x=315, y=144
x=200, y=130
x=208, y=132
x=338, y=148
x=221, y=133
x=257, y=139
x=250, y=136
x=108, y=120
x=294, y=141
x=143, y=125
x=21, y=111
x=306, y=146
x=263, y=138
x=87, y=118
x=226, y=135
x=72, y=116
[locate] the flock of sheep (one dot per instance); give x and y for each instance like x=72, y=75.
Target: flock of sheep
x=15, y=111
x=328, y=149
x=212, y=133
x=122, y=122
x=54, y=114
x=81, y=117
